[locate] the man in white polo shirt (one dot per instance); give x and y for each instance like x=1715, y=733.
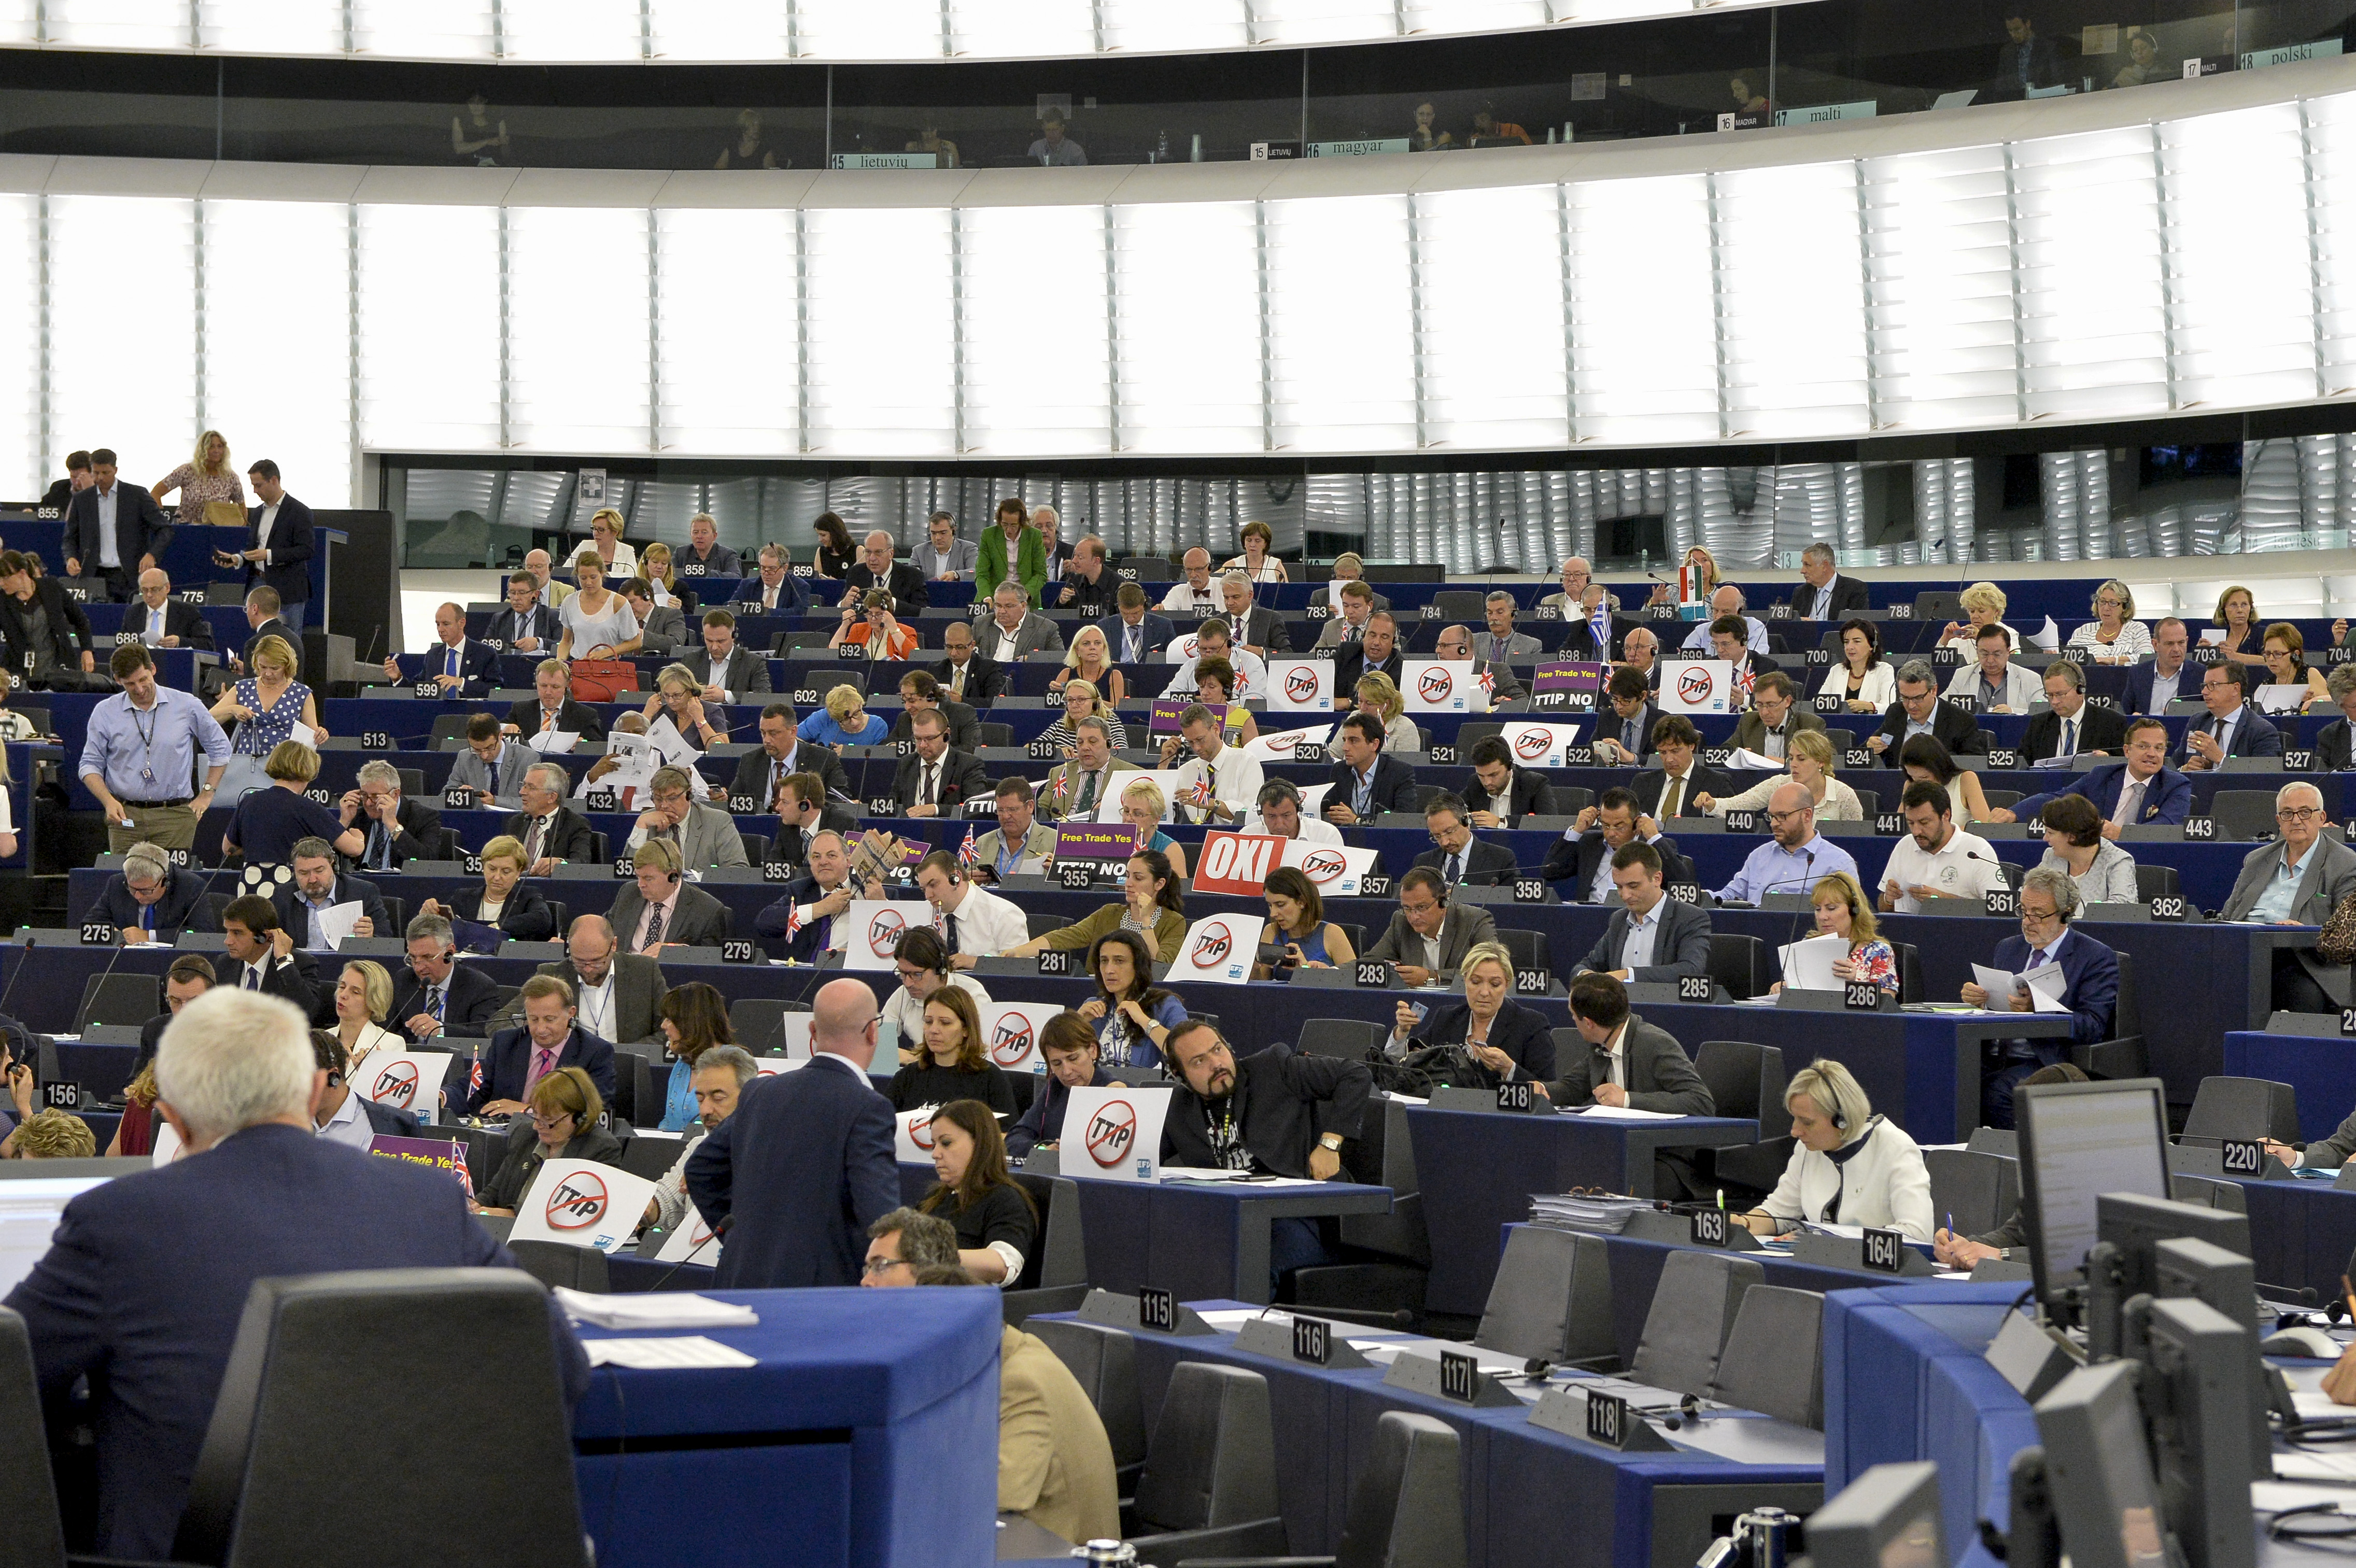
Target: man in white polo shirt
x=1936, y=860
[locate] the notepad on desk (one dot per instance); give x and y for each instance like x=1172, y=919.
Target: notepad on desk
x=665, y=1354
x=662, y=1309
x=1624, y=1113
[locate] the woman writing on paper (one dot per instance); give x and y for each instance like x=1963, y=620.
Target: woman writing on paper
x=1842, y=911
x=1849, y=1167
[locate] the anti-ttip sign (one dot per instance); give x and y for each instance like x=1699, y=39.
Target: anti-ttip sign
x=1097, y=840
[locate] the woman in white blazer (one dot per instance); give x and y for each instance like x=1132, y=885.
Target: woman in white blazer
x=1852, y=1167
x=1811, y=767
x=1860, y=679
x=363, y=996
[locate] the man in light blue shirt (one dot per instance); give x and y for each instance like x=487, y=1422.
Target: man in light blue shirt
x=1797, y=859
x=139, y=757
x=1727, y=601
x=2299, y=881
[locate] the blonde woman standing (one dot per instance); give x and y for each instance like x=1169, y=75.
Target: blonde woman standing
x=205, y=480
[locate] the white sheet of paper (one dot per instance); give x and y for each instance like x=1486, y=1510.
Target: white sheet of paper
x=336, y=920
x=579, y=1203
x=654, y=1309
x=876, y=925
x=2272, y=699
x=1218, y=949
x=1745, y=757
x=301, y=734
x=2044, y=994
x=1808, y=965
x=167, y=1142
x=1626, y=1114
x=665, y=1354
x=664, y=739
x=1114, y=1132
x=554, y=742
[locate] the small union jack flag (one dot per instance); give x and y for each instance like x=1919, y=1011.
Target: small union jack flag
x=1201, y=793
x=475, y=1076
x=793, y=920
x=1489, y=682
x=967, y=856
x=466, y=1176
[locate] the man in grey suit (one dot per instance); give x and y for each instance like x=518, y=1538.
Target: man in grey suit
x=1651, y=936
x=662, y=628
x=1249, y=626
x=730, y=674
x=703, y=834
x=1501, y=644
x=492, y=766
x=616, y=993
x=1014, y=631
x=1631, y=1063
x=1429, y=937
x=2299, y=880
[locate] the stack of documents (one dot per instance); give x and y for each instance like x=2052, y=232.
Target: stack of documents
x=666, y=1309
x=2045, y=985
x=1603, y=1215
x=665, y=1354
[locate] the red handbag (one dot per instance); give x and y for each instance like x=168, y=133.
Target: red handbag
x=603, y=680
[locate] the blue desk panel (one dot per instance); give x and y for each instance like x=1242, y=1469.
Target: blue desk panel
x=2322, y=1068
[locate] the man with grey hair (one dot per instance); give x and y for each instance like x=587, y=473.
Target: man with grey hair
x=1823, y=593
x=441, y=996
x=1919, y=711
x=804, y=1166
x=548, y=829
x=2298, y=880
x=876, y=569
x=1193, y=594
x=553, y=590
x=718, y=1078
x=904, y=1242
x=2088, y=992
x=145, y=1287
x=395, y=830
x=1727, y=601
x=152, y=900
x=1250, y=627
x=702, y=833
x=1014, y=631
x=2335, y=748
x=773, y=589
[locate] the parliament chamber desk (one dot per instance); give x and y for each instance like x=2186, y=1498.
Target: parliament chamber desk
x=2320, y=1068
x=1533, y=1499
x=1477, y=1171
x=866, y=1436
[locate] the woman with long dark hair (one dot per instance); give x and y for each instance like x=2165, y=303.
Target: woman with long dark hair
x=694, y=1018
x=1133, y=1016
x=993, y=1216
x=953, y=1060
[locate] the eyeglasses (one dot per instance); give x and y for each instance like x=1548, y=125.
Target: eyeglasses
x=874, y=1266
x=2030, y=916
x=559, y=1118
x=1775, y=816
x=2299, y=814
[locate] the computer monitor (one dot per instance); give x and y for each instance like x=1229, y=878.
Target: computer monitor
x=31, y=1208
x=2098, y=1463
x=2136, y=1225
x=2077, y=1140
x=2200, y=1407
x=1887, y=1518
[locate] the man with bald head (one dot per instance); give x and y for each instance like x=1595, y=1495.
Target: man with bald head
x=616, y=992
x=876, y=569
x=1727, y=601
x=1794, y=859
x=456, y=663
x=162, y=621
x=1195, y=595
x=806, y=1164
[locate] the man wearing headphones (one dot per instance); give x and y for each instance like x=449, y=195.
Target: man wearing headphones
x=923, y=961
x=657, y=910
x=809, y=916
x=2089, y=989
x=190, y=976
x=973, y=921
x=344, y=1117
x=1279, y=813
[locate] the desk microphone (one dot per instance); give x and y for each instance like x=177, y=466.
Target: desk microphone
x=717, y=1231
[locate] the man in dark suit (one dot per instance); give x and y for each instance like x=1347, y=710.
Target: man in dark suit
x=61, y=492
x=526, y=626
x=44, y=634
x=1580, y=641
x=1624, y=738
x=264, y=958
x=1651, y=936
x=937, y=780
x=921, y=694
x=2165, y=677
x=1378, y=653
x=2161, y=793
x=159, y=620
x=441, y=996
x=261, y=619
x=114, y=531
x=809, y=1154
x=1089, y=585
x=1133, y=631
x=2334, y=752
x=2233, y=728
x=394, y=828
x=808, y=916
x=1670, y=790
x=773, y=590
x=964, y=674
x=1249, y=626
x=1456, y=855
x=730, y=671
x=1630, y=1063
x=2070, y=725
x=1366, y=782
x=2090, y=988
x=1501, y=793
x=1822, y=593
x=804, y=810
x=456, y=663
x=1274, y=1112
x=190, y=976
x=1582, y=855
x=317, y=888
x=2026, y=61
x=876, y=569
x=549, y=1038
x=1919, y=710
x=1728, y=636
x=550, y=708
x=657, y=909
x=761, y=773
x=548, y=829
x=153, y=900
x=145, y=1288
x=1429, y=936
x=617, y=993
x=278, y=542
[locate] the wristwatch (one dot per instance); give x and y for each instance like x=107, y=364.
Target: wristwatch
x=1330, y=1141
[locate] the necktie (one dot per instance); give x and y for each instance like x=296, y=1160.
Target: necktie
x=379, y=848
x=532, y=841
x=1670, y=794
x=2036, y=957
x=1628, y=736
x=441, y=999
x=1236, y=623
x=2130, y=803
x=1496, y=648
x=1129, y=645
x=1455, y=868
x=949, y=931
x=148, y=917
x=252, y=977
x=2069, y=737
x=1350, y=633
x=542, y=1060
x=654, y=928
x=156, y=625
x=957, y=680
x=928, y=796
x=1088, y=795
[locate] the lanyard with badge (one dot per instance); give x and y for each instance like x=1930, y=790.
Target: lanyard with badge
x=146, y=733
x=598, y=1015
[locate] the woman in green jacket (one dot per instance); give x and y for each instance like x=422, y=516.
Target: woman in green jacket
x=1150, y=905
x=1010, y=535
